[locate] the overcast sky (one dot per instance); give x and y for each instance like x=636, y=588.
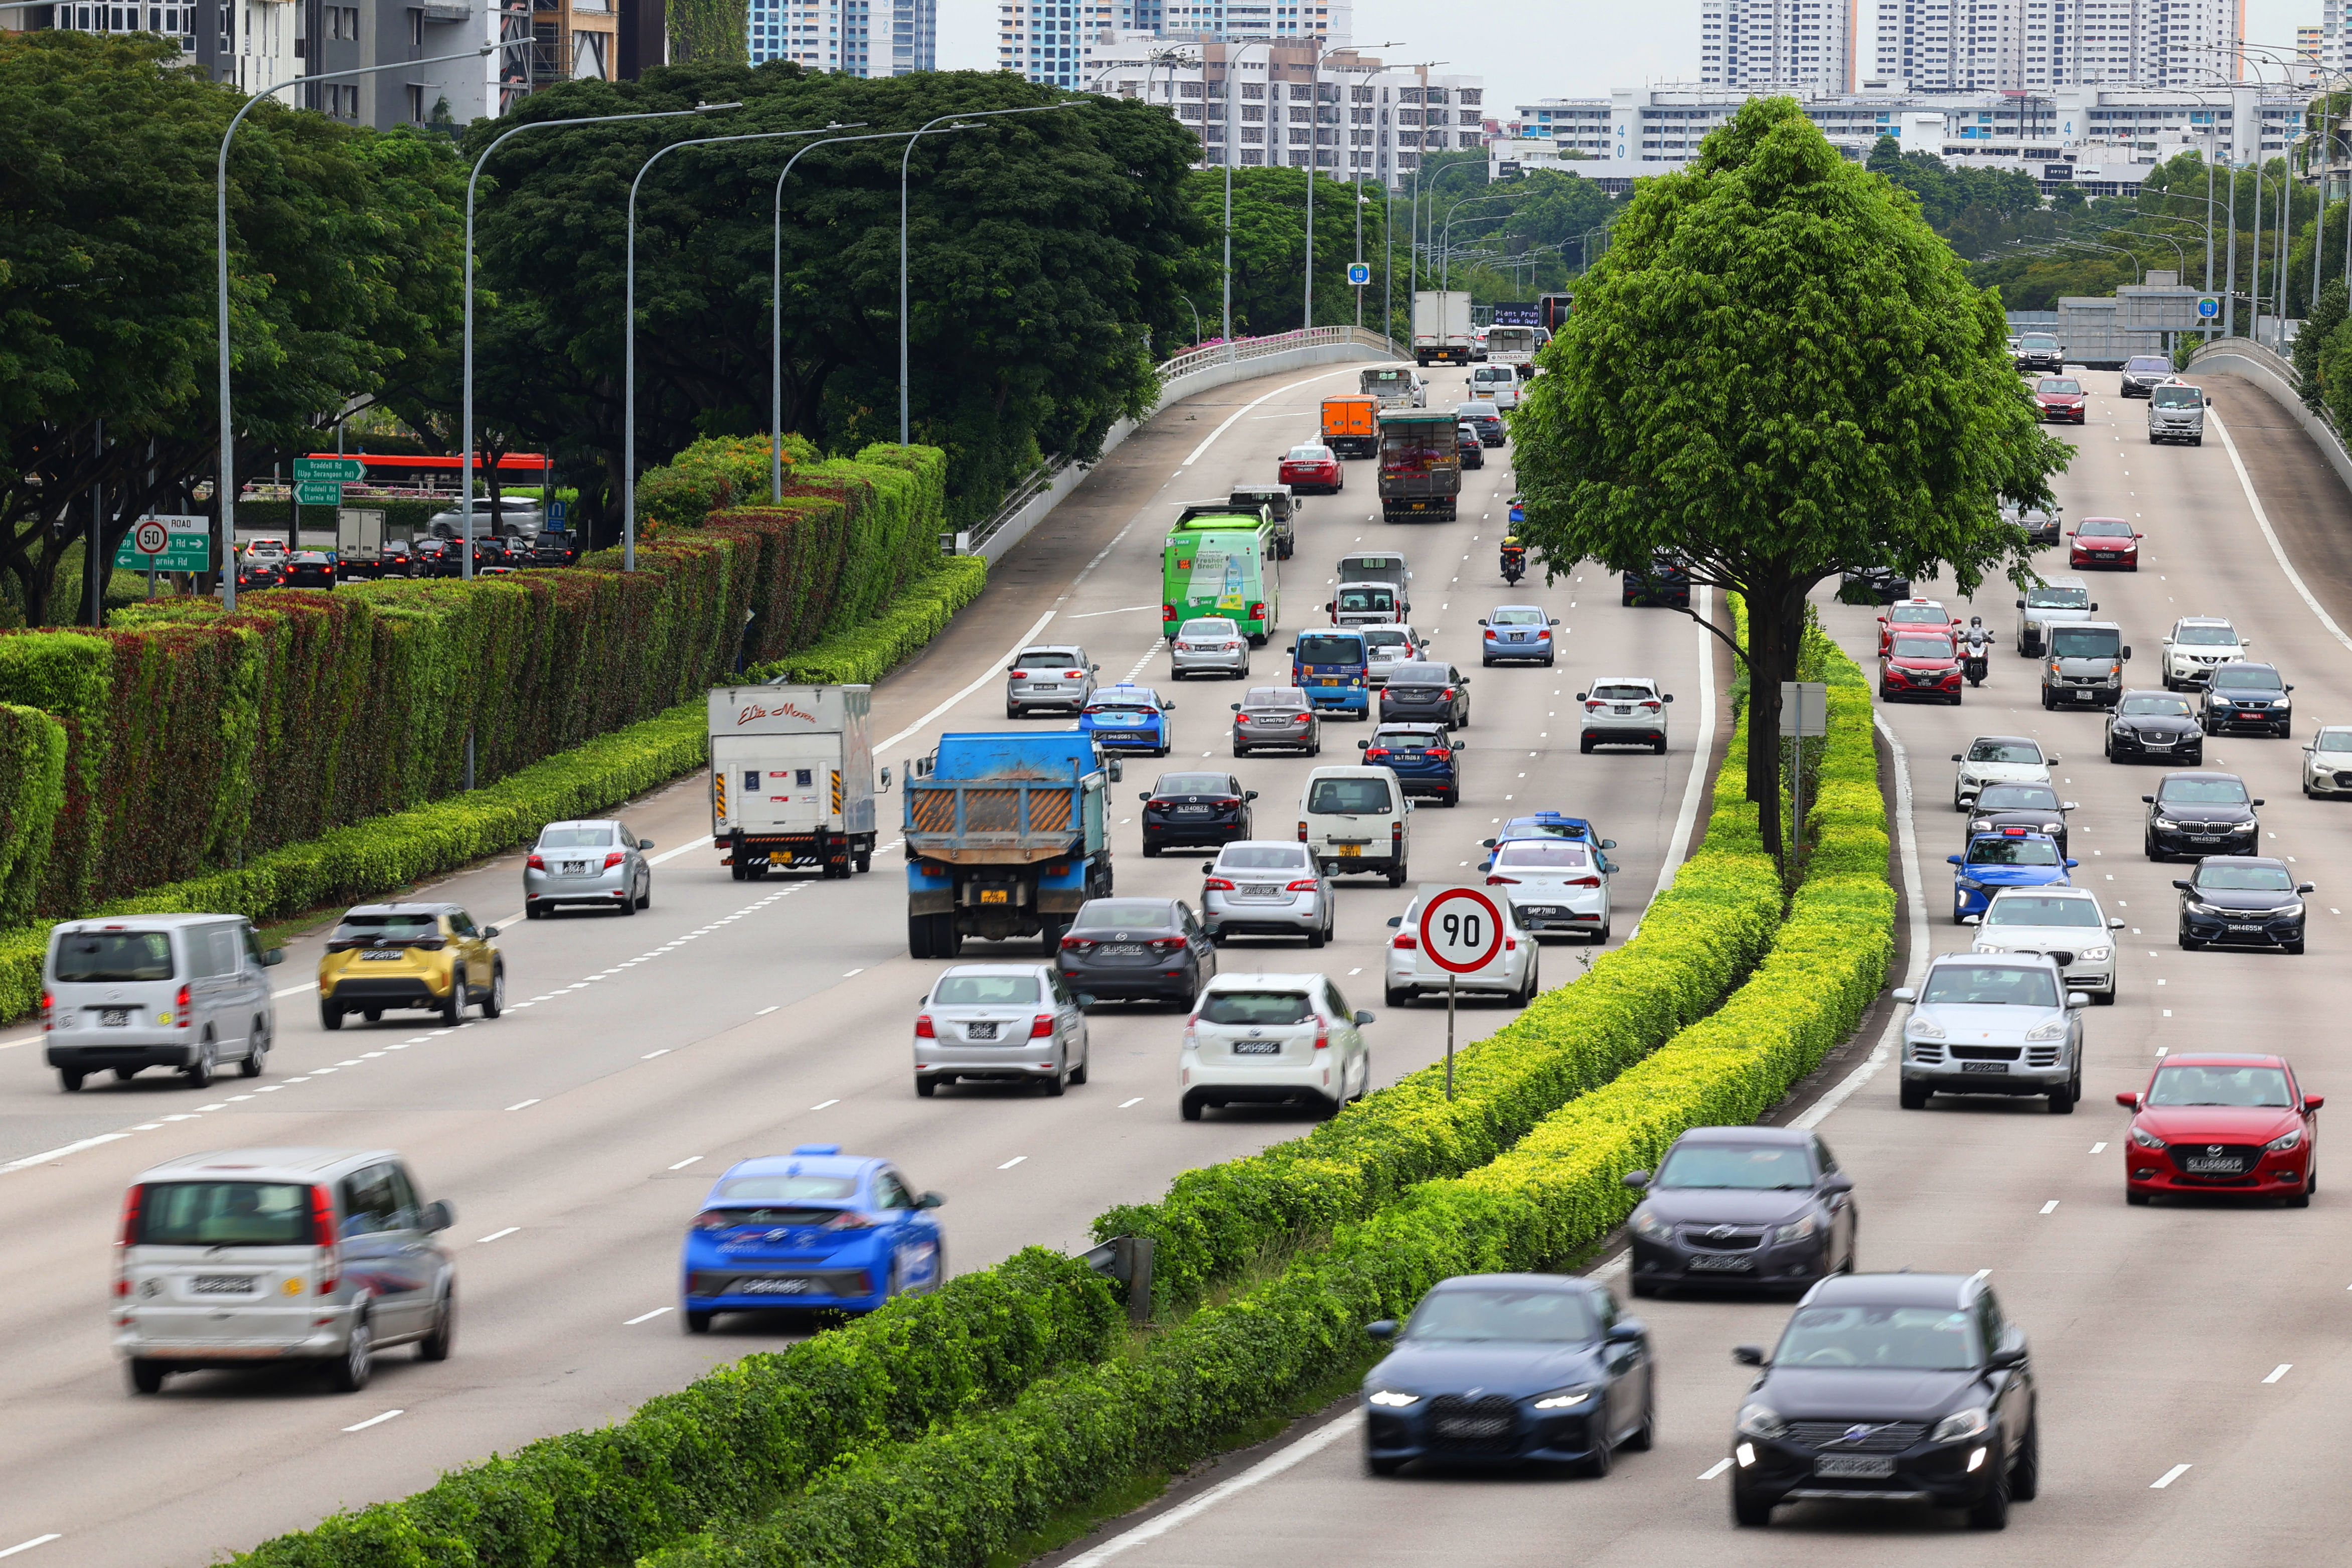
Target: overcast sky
x=1528, y=49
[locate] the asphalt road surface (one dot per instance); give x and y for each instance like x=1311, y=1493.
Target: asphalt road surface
x=576, y=1135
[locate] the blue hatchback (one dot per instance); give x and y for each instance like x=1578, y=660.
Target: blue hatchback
x=814, y=1228
x=2012, y=858
x=1424, y=758
x=1128, y=718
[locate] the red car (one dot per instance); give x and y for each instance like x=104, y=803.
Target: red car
x=2223, y=1124
x=2059, y=399
x=1912, y=614
x=1921, y=663
x=1315, y=467
x=2104, y=542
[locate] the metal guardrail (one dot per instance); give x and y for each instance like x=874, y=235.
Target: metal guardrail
x=1279, y=342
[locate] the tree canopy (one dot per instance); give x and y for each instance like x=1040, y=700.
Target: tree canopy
x=1778, y=374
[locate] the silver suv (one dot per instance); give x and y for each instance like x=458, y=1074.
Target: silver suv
x=1050, y=674
x=1993, y=1024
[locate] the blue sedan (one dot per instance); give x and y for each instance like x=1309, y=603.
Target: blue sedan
x=814, y=1228
x=1128, y=718
x=1550, y=824
x=2012, y=858
x=1507, y=1369
x=1516, y=631
x=1426, y=759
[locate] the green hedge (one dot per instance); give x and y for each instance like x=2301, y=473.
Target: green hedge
x=32, y=788
x=862, y=654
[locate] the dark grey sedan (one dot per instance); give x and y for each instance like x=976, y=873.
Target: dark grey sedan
x=1137, y=950
x=1426, y=693
x=1742, y=1205
x=2155, y=725
x=1278, y=717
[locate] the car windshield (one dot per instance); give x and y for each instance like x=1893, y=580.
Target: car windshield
x=2176, y=397
x=2105, y=528
x=1274, y=697
x=2148, y=361
x=2015, y=909
x=2021, y=851
x=387, y=928
x=225, y=1213
x=1309, y=455
x=1559, y=854
x=1918, y=616
x=2060, y=383
x=1880, y=1339
x=1260, y=1007
x=1407, y=740
x=2037, y=343
x=2202, y=792
x=984, y=991
x=2005, y=752
x=1210, y=627
x=1361, y=797
x=1515, y=618
x=2016, y=797
x=791, y=1187
x=114, y=956
x=2085, y=642
x=1048, y=655
x=1193, y=784
x=1621, y=691
x=2057, y=598
x=1923, y=648
x=2244, y=878
x=2332, y=741
x=1536, y=1317
x=575, y=837
x=1126, y=912
x=1759, y=1167
x=2205, y=636
x=1262, y=857
x=2251, y=1087
x=2150, y=703
x=1990, y=984
x=1326, y=650
x=2247, y=677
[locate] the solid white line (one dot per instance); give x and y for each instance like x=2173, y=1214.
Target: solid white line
x=2050, y=1207
x=63, y=1150
x=701, y=843
x=2262, y=522
x=1206, y=441
x=10, y=1046
x=651, y=1054
x=987, y=674
x=495, y=1234
x=375, y=1421
x=1714, y=1469
x=1013, y=1162
x=2279, y=1371
x=522, y=1104
x=1694, y=787
x=682, y=1164
x=644, y=1318
x=765, y=1011
x=1265, y=1469
x=1122, y=610
x=36, y=1541
x=2166, y=1478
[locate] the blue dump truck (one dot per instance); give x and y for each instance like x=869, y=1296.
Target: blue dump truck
x=1005, y=838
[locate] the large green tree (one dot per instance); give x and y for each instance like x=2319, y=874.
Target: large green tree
x=1779, y=374
x=1270, y=250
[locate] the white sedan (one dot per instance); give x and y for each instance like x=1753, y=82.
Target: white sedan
x=1555, y=887
x=2067, y=923
x=1391, y=644
x=1999, y=759
x=1513, y=974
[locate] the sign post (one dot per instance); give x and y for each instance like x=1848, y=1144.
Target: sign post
x=1461, y=930
x=1805, y=715
x=318, y=482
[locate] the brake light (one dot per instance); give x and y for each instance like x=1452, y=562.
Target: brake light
x=537, y=863
x=612, y=858
x=1404, y=941
x=1593, y=702
x=322, y=1216
x=131, y=1203
x=847, y=1219
x=1216, y=885
x=1376, y=752
x=1257, y=610
x=1168, y=944
x=923, y=1029
x=1323, y=1038
x=1544, y=635
x=713, y=1220
x=1302, y=833
x=1072, y=944
x=1502, y=882
x=1396, y=834
x=1074, y=675
x=180, y=1008
x=1167, y=612
x=1584, y=881
x=1304, y=885
x=1447, y=694
x=47, y=1005
x=1442, y=754
x=1041, y=1027
x=1020, y=675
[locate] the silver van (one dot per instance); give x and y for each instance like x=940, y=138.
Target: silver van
x=2176, y=411
x=262, y=1257
x=188, y=993
x=2054, y=602
x=2085, y=664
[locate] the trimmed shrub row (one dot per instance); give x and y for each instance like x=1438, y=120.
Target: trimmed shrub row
x=32, y=786
x=865, y=652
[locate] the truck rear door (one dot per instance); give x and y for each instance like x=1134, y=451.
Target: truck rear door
x=780, y=783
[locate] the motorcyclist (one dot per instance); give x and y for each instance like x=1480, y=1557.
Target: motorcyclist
x=1515, y=559
x=1978, y=650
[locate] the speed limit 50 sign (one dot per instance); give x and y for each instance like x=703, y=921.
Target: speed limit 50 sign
x=1460, y=930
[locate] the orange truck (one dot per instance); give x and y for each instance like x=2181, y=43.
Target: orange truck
x=1351, y=425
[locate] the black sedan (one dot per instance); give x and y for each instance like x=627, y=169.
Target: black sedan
x=1510, y=1369
x=1426, y=693
x=310, y=569
x=1742, y=1205
x=1472, y=449
x=1195, y=810
x=1664, y=580
x=1137, y=950
x=2242, y=900
x=265, y=573
x=2199, y=814
x=1887, y=1387
x=2247, y=696
x=2033, y=806
x=2153, y=724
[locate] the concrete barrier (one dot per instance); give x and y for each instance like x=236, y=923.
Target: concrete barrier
x=2250, y=361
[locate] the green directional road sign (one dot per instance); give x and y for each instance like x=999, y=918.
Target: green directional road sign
x=318, y=493
x=349, y=470
x=167, y=544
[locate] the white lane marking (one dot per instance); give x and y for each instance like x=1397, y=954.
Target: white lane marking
x=1714, y=1469
x=765, y=1011
x=682, y=1164
x=2098, y=1148
x=2050, y=1207
x=523, y=1105
x=10, y=1046
x=1694, y=787
x=2279, y=1371
x=149, y=1127
x=63, y=1150
x=644, y=1318
x=2278, y=551
x=374, y=1421
x=991, y=672
x=651, y=1054
x=2168, y=1477
x=701, y=843
x=1125, y=1103
x=824, y=1105
x=495, y=1234
x=296, y=990
x=1122, y=610
x=36, y=1541
x=1013, y=1162
x=1265, y=1469
x=1210, y=439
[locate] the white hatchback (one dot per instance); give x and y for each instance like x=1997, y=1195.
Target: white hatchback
x=1515, y=973
x=1273, y=1040
x=1555, y=886
x=1999, y=759
x=2067, y=923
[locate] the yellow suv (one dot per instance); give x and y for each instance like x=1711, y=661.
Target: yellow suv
x=432, y=956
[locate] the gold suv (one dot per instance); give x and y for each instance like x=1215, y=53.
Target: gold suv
x=431, y=956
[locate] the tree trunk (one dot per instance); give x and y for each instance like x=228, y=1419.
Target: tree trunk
x=1775, y=625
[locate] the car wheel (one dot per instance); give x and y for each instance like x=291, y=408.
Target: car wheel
x=453, y=1008
x=348, y=1374
x=2062, y=1101
x=2135, y=1198
x=70, y=1080
x=1058, y=1085
x=645, y=899
x=533, y=912
x=1584, y=744
x=146, y=1376
x=199, y=1073
x=1078, y=1075
x=1645, y=1435
x=694, y=1321
x=2294, y=947
x=2025, y=1470
x=1396, y=998
x=257, y=1049
x=1190, y=1109
x=435, y=1346
x=2103, y=998
x=1748, y=1513
x=1991, y=1512
x=1314, y=937
x=1913, y=1096
x=2188, y=944
x=495, y=1002
x=1374, y=1465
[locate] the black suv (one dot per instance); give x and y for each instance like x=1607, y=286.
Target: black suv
x=2199, y=814
x=1667, y=582
x=2242, y=900
x=2039, y=351
x=2247, y=696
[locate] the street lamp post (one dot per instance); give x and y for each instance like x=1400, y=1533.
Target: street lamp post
x=629, y=328
x=1313, y=150
x=1445, y=241
x=220, y=246
x=1232, y=58
x=917, y=135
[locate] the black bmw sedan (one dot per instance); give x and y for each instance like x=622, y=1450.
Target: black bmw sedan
x=1136, y=949
x=1742, y=1205
x=2242, y=900
x=2153, y=724
x=1890, y=1387
x=1203, y=810
x=1506, y=1369
x=2197, y=814
x=2033, y=806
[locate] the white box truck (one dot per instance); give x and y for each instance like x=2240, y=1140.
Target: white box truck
x=1441, y=333
x=791, y=778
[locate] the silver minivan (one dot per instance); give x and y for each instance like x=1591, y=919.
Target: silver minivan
x=248, y=1257
x=187, y=992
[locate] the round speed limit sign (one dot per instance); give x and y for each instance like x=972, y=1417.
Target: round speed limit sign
x=151, y=538
x=1460, y=930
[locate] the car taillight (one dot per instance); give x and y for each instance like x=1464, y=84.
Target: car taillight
x=1590, y=702
x=1323, y=1039
x=130, y=1202
x=47, y=1005
x=1167, y=612
x=713, y=1220
x=1447, y=694
x=1442, y=754
x=180, y=1009
x=1216, y=885
x=537, y=863
x=1502, y=882
x=1041, y=1027
x=1302, y=717
x=1257, y=610
x=612, y=858
x=1020, y=675
x=1653, y=707
x=1302, y=833
x=1584, y=881
x=1069, y=944
x=1404, y=941
x=1304, y=885
x=1168, y=944
x=1396, y=836
x=847, y=1219
x=1074, y=675
x=1375, y=751
x=322, y=1216
x=1510, y=944
x=1544, y=635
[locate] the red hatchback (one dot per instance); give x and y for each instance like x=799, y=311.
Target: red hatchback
x=2059, y=400
x=2223, y=1124
x=1305, y=467
x=1920, y=662
x=2104, y=542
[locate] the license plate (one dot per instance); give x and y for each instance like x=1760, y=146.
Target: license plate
x=2216, y=1167
x=114, y=1018
x=979, y=1031
x=996, y=894
x=1044, y=686
x=2245, y=928
x=2081, y=697
x=1853, y=1467
x=1192, y=810
x=773, y=1287
x=1348, y=851
x=1472, y=1427
x=1722, y=1263
x=1257, y=1047
x=1622, y=712
x=221, y=1285
x=1984, y=1067
x=379, y=954
x=1121, y=949
x=1259, y=890
x=1329, y=681
x=575, y=868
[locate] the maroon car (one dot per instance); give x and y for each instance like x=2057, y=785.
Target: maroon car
x=1312, y=467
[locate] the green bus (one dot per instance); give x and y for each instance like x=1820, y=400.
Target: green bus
x=1220, y=565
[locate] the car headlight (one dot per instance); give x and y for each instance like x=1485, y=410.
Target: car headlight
x=2146, y=1139
x=1961, y=1425
x=2287, y=911
x=1963, y=879
x=2095, y=955
x=1566, y=1398
x=2286, y=1141
x=1646, y=1224
x=2279, y=702
x=2055, y=1029
x=1761, y=1421
x=1393, y=1399
x=1984, y=827
x=2196, y=908
x=1796, y=1229
x=2241, y=826
x=1924, y=1029
x=2167, y=824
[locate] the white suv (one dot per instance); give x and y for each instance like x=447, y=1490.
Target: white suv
x=2194, y=645
x=1624, y=710
x=2067, y=923
x=1273, y=1040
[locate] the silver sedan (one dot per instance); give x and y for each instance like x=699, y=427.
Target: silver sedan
x=1267, y=886
x=591, y=862
x=1210, y=647
x=1017, y=1022
x=1277, y=716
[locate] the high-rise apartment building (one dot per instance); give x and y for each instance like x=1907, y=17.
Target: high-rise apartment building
x=1070, y=43
x=1805, y=45
x=857, y=37
x=2011, y=46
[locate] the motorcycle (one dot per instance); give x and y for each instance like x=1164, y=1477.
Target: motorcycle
x=1976, y=664
x=1514, y=563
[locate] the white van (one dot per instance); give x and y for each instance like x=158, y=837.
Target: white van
x=183, y=991
x=1500, y=382
x=1357, y=820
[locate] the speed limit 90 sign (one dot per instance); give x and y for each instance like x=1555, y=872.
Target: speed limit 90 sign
x=1460, y=930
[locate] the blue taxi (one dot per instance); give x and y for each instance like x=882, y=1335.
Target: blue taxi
x=2007, y=857
x=814, y=1228
x=1128, y=718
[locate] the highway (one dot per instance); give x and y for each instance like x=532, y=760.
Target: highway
x=2196, y=1396
x=639, y=1056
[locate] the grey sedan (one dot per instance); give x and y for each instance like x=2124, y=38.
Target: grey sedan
x=1051, y=675
x=1277, y=716
x=589, y=862
x=1210, y=647
x=1266, y=887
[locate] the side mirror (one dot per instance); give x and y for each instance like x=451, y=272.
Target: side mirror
x=1608, y=844
x=1235, y=706
x=2126, y=658
x=1384, y=1329
x=2181, y=884
x=1580, y=697
x=1747, y=1355
x=2147, y=800
x=2115, y=923
x=644, y=843
x=1482, y=620
x=1168, y=705
x=1363, y=745
x=2072, y=863
x=1628, y=1331
x=1953, y=858
x=1085, y=999
x=2128, y=1101
x=488, y=931
x=1978, y=920
x=1249, y=794
x=1093, y=668
x=1668, y=697
x=1611, y=867
x=2299, y=887
x=1837, y=1182
x=439, y=1215
x=1956, y=756
x=2078, y=999
x=929, y=1201
x=1487, y=865
x=1485, y=844
x=2313, y=1102
x=1555, y=620
x=1118, y=771
x=1637, y=1180
x=2006, y=1359
x=1905, y=994
x=273, y=958
x=2289, y=687
x=2258, y=799
x=1363, y=1014
x=2095, y=606
x=2021, y=604
x=2070, y=805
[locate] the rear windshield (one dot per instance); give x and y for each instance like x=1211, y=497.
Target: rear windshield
x=1047, y=656
x=225, y=1213
x=1387, y=638
x=2057, y=598
x=1418, y=674
x=2085, y=642
x=387, y=930
x=1212, y=627
x=985, y=990
x=1262, y=857
x=1124, y=712
x=785, y=1189
x=1310, y=454
x=1314, y=649
x=1274, y=697
x=1564, y=853
x=1193, y=784
x=1360, y=599
x=575, y=838
x=1621, y=691
x=1255, y=1007
x=112, y=956
x=1127, y=914
x=1362, y=797
x=1515, y=618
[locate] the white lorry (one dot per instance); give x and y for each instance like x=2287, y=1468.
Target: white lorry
x=791, y=778
x=1442, y=333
